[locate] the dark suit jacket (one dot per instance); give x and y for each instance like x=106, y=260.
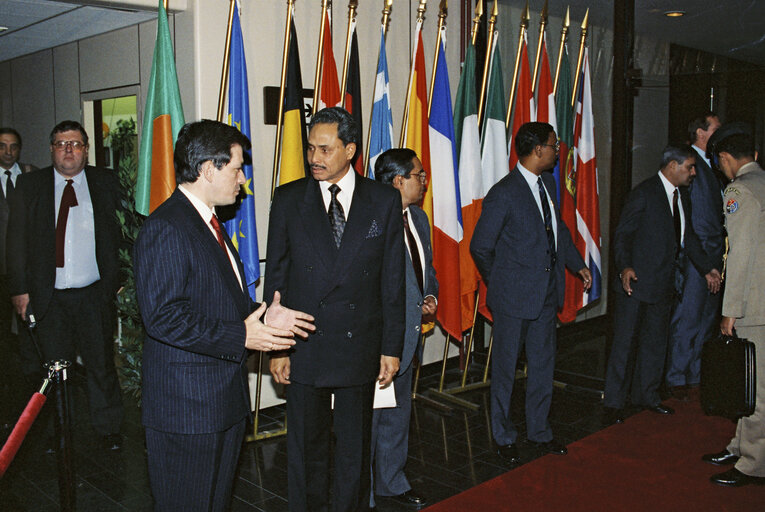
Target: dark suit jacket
x=194, y=373
x=645, y=241
x=707, y=210
x=4, y=213
x=355, y=293
x=510, y=249
x=31, y=242
x=414, y=297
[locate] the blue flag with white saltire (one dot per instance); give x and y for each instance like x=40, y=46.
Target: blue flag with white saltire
x=242, y=228
x=381, y=128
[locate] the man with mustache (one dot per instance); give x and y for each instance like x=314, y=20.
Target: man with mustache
x=336, y=251
x=653, y=238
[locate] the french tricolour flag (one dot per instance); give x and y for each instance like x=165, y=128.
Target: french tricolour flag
x=447, y=211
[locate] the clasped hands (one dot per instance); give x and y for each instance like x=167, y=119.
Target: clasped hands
x=280, y=327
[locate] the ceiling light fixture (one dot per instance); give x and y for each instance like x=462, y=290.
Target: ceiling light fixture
x=3, y=29
x=674, y=14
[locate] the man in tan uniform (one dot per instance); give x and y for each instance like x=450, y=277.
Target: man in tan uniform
x=744, y=298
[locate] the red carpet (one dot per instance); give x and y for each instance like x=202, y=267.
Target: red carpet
x=649, y=463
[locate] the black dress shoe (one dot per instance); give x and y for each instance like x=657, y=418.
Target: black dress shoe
x=660, y=409
x=509, y=453
x=720, y=459
x=551, y=446
x=409, y=499
x=113, y=442
x=612, y=415
x=735, y=478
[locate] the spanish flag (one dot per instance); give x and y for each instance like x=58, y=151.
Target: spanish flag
x=162, y=120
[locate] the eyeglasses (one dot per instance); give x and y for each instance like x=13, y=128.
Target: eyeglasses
x=556, y=145
x=422, y=175
x=76, y=145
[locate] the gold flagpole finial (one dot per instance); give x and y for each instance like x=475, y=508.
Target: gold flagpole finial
x=516, y=68
x=387, y=8
x=542, y=24
x=487, y=60
x=421, y=10
x=476, y=22
x=319, y=57
x=582, y=39
x=352, y=6
x=563, y=37
x=443, y=12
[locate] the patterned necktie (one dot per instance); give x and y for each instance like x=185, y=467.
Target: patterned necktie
x=336, y=215
x=548, y=220
x=68, y=200
x=676, y=221
x=413, y=251
x=8, y=185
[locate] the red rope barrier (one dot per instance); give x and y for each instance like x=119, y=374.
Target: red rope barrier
x=25, y=422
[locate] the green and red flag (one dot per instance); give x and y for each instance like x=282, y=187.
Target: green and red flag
x=162, y=120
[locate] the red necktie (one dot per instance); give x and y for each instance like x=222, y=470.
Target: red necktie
x=219, y=232
x=68, y=200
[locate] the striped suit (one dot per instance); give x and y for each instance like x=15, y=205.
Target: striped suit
x=195, y=393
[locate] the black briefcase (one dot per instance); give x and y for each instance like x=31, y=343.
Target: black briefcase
x=728, y=377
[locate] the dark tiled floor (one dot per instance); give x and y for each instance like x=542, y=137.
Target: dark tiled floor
x=449, y=451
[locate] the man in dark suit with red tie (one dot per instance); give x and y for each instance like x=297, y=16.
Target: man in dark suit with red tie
x=200, y=326
x=63, y=266
x=336, y=251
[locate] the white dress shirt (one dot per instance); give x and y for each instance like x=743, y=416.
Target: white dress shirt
x=347, y=184
x=80, y=266
x=15, y=172
x=206, y=214
x=669, y=188
x=532, y=179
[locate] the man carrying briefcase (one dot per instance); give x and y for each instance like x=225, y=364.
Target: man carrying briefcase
x=733, y=152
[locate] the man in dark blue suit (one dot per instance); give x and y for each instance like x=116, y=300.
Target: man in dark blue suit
x=200, y=326
x=697, y=314
x=401, y=168
x=654, y=235
x=520, y=246
x=336, y=251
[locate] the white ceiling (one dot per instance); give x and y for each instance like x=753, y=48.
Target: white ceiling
x=35, y=25
x=734, y=28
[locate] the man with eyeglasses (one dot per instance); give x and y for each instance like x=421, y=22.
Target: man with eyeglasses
x=520, y=246
x=10, y=170
x=401, y=169
x=63, y=267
